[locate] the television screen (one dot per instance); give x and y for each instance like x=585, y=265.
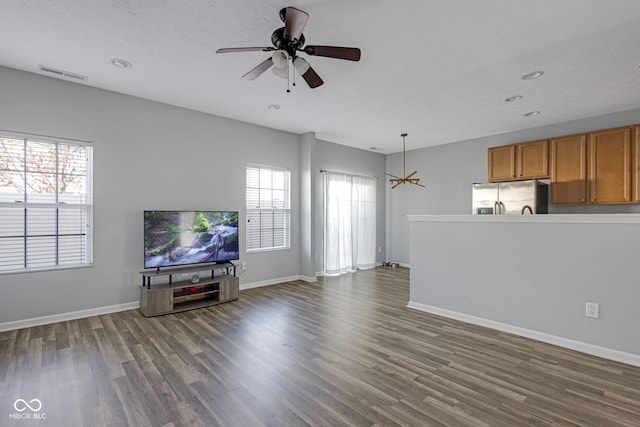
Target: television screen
x=179, y=237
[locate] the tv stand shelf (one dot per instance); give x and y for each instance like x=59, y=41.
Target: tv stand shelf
x=202, y=289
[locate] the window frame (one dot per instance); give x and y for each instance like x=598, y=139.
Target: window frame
x=56, y=251
x=262, y=211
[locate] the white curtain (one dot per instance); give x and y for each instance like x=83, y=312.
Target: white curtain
x=350, y=223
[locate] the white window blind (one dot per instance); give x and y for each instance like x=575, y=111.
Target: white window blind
x=46, y=206
x=268, y=208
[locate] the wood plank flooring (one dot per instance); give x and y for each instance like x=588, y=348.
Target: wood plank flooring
x=342, y=351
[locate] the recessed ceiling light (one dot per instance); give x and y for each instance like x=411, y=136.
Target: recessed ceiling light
x=532, y=113
x=273, y=107
x=533, y=75
x=513, y=98
x=121, y=63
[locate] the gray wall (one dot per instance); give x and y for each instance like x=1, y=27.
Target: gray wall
x=449, y=170
x=154, y=156
x=147, y=155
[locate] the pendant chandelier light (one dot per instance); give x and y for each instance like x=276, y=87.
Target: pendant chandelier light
x=396, y=180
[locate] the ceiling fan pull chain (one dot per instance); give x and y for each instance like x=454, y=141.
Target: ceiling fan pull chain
x=288, y=76
x=294, y=77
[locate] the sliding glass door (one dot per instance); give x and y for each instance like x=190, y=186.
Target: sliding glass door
x=350, y=223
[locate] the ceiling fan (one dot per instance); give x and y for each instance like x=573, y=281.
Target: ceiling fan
x=287, y=42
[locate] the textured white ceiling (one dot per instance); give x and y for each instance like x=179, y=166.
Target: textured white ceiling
x=439, y=70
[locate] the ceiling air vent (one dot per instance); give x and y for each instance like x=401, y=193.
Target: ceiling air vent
x=62, y=73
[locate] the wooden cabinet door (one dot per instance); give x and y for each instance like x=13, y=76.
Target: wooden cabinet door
x=229, y=289
x=502, y=163
x=156, y=301
x=610, y=166
x=569, y=169
x=532, y=160
x=635, y=164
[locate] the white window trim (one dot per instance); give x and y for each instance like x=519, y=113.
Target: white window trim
x=250, y=211
x=87, y=206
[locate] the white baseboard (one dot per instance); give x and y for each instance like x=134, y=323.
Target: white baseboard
x=62, y=317
x=594, y=350
x=261, y=283
x=45, y=320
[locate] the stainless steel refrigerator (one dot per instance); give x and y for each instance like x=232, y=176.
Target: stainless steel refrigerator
x=511, y=198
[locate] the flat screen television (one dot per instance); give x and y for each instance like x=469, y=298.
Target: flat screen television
x=173, y=238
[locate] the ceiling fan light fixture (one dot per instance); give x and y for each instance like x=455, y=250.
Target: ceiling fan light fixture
x=280, y=59
x=301, y=65
x=283, y=73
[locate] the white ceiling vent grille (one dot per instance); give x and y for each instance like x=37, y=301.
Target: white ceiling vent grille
x=62, y=73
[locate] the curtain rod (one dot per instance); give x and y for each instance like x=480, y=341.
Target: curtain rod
x=13, y=133
x=349, y=174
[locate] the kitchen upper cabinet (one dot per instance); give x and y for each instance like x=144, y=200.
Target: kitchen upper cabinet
x=532, y=160
x=609, y=167
x=502, y=163
x=595, y=168
x=528, y=160
x=601, y=167
x=569, y=169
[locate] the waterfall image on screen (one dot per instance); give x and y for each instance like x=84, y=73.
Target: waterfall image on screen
x=179, y=237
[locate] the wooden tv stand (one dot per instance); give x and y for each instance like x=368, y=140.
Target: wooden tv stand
x=173, y=296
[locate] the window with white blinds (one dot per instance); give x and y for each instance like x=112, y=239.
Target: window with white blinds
x=268, y=208
x=46, y=206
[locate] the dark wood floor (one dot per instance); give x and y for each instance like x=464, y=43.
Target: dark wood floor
x=343, y=351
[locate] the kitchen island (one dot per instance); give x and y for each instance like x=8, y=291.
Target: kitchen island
x=532, y=275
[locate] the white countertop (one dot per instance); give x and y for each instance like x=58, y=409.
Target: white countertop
x=541, y=218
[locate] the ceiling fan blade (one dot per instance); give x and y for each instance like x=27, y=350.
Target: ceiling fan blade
x=244, y=49
x=259, y=69
x=312, y=78
x=294, y=22
x=339, y=52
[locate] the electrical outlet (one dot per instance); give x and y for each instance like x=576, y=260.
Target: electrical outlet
x=593, y=310
x=244, y=266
